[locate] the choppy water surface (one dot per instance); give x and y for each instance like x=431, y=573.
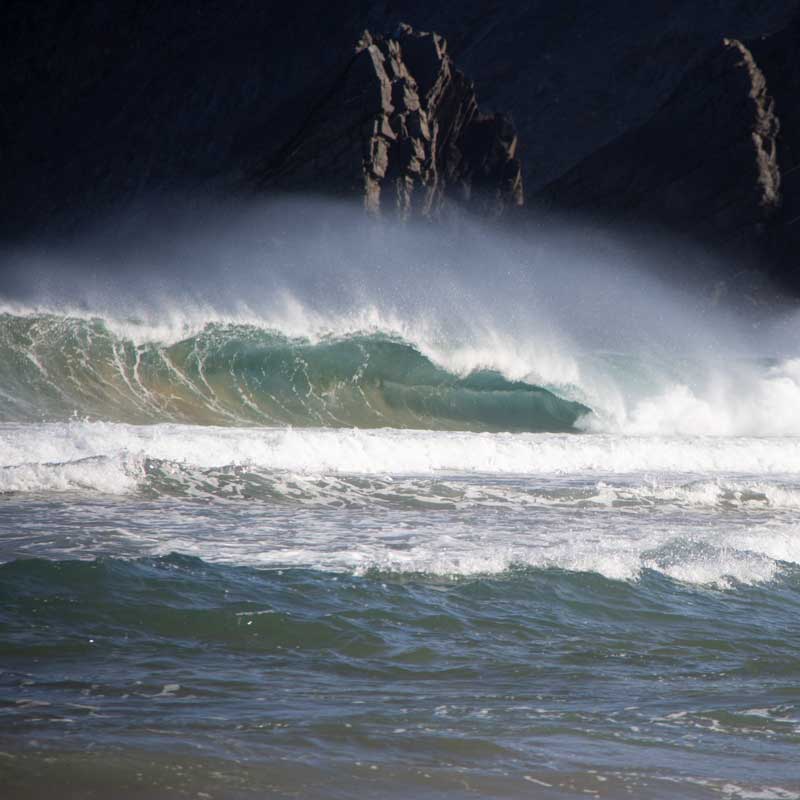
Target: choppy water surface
x=394, y=513
x=321, y=612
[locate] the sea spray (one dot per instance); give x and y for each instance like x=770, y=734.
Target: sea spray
x=259, y=317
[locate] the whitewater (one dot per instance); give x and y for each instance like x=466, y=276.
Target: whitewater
x=363, y=509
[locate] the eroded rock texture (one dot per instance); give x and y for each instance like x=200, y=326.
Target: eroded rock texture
x=401, y=128
x=106, y=105
x=778, y=57
x=717, y=161
x=707, y=158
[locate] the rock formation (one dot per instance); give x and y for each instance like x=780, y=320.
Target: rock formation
x=106, y=105
x=716, y=161
x=706, y=159
x=778, y=57
x=401, y=129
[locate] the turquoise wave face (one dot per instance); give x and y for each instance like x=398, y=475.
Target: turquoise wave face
x=54, y=368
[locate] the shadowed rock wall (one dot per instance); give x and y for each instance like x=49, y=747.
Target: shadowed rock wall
x=103, y=104
x=718, y=160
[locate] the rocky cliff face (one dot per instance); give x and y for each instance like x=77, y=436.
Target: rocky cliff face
x=707, y=158
x=107, y=103
x=401, y=129
x=778, y=58
x=716, y=161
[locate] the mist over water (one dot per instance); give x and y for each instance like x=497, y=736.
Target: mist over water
x=641, y=333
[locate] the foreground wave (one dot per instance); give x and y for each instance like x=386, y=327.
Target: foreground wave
x=202, y=679
x=53, y=367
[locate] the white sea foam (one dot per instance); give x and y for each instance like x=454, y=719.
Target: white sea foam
x=610, y=548
x=743, y=400
x=707, y=511
x=388, y=451
x=114, y=475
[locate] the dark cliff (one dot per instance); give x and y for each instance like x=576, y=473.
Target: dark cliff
x=717, y=160
x=706, y=159
x=102, y=104
x=778, y=58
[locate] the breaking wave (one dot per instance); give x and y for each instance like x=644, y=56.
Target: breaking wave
x=54, y=367
x=373, y=372
x=255, y=317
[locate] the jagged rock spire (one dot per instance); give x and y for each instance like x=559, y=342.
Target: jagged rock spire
x=401, y=128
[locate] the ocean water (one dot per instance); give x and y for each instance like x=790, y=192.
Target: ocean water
x=399, y=551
